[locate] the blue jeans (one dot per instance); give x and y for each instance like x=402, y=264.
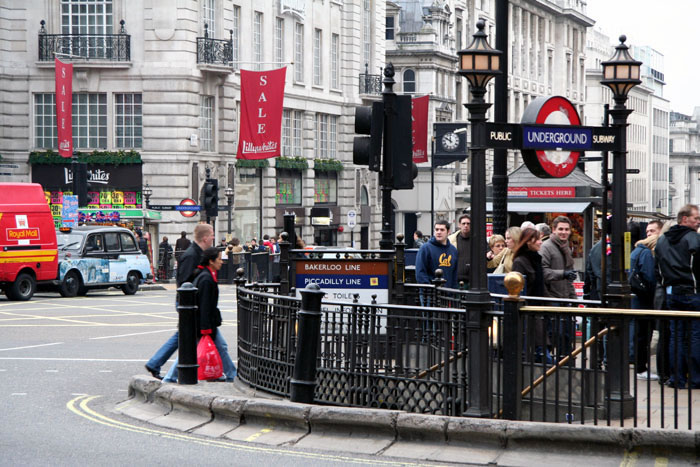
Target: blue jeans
x=163, y=354
x=680, y=331
x=230, y=370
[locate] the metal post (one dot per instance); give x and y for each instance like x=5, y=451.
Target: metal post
x=604, y=222
x=478, y=298
x=399, y=248
x=74, y=165
x=389, y=98
x=500, y=155
x=284, y=263
x=303, y=380
x=230, y=213
x=512, y=347
x=187, y=334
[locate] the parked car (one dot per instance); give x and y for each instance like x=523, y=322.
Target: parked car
x=96, y=257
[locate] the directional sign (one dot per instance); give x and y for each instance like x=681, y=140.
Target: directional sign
x=192, y=207
x=174, y=207
x=352, y=219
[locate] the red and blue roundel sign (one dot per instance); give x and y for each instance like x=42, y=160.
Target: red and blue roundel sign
x=548, y=151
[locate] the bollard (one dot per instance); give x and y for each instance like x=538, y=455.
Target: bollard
x=512, y=346
x=400, y=270
x=187, y=334
x=303, y=381
x=284, y=263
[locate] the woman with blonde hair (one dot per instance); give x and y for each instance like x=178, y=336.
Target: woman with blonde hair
x=642, y=279
x=503, y=262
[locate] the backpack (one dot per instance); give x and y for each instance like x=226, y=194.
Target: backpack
x=639, y=286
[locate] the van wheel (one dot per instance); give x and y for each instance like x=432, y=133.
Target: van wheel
x=132, y=283
x=82, y=290
x=22, y=288
x=70, y=285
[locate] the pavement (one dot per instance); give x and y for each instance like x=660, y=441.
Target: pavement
x=237, y=412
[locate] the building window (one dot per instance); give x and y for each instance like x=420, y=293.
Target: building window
x=409, y=81
x=288, y=187
x=389, y=28
x=297, y=122
x=247, y=189
x=326, y=136
x=279, y=41
x=258, y=40
x=299, y=53
x=87, y=17
x=206, y=123
x=45, y=135
x=209, y=16
x=367, y=31
x=325, y=187
x=127, y=121
x=90, y=120
x=291, y=133
x=236, y=35
x=318, y=66
x=335, y=64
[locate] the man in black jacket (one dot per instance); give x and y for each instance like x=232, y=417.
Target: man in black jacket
x=186, y=266
x=678, y=263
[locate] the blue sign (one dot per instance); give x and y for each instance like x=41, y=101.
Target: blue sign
x=567, y=138
x=188, y=207
x=69, y=212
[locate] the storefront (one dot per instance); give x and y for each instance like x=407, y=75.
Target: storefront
x=535, y=199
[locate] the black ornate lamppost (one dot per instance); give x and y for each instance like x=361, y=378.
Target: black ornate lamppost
x=229, y=201
x=147, y=192
x=620, y=74
x=479, y=63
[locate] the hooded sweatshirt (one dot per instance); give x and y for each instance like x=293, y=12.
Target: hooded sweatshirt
x=677, y=260
x=434, y=255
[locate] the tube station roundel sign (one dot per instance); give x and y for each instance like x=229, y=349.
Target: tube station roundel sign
x=545, y=149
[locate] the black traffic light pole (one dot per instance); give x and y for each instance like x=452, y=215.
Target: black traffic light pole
x=389, y=98
x=500, y=155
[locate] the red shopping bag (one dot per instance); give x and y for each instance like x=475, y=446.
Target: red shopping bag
x=209, y=360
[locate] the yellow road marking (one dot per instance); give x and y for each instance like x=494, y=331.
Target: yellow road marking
x=84, y=411
x=629, y=459
x=661, y=462
x=257, y=435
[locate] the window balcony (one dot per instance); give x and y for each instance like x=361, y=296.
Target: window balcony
x=370, y=84
x=215, y=52
x=89, y=47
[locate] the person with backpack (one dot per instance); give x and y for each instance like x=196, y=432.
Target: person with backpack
x=642, y=279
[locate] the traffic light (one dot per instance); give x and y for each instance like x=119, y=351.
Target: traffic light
x=403, y=170
x=80, y=183
x=367, y=150
x=211, y=197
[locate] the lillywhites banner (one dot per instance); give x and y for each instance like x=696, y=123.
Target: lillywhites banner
x=262, y=99
x=419, y=118
x=64, y=104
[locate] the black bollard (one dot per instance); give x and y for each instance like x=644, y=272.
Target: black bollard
x=187, y=340
x=303, y=380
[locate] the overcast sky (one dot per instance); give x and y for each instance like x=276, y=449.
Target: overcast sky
x=672, y=27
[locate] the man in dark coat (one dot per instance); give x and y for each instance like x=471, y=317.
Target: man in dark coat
x=181, y=244
x=462, y=240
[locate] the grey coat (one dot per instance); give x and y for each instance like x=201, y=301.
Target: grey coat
x=553, y=266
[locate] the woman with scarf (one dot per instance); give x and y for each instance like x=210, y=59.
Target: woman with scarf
x=528, y=262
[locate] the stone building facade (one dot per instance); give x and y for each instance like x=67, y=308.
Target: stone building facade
x=684, y=170
x=173, y=95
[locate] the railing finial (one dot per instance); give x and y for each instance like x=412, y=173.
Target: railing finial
x=43, y=29
x=514, y=283
x=206, y=30
x=122, y=30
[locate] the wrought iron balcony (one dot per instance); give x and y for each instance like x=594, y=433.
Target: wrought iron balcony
x=107, y=47
x=214, y=51
x=370, y=84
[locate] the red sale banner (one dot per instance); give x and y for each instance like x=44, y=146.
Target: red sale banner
x=262, y=99
x=64, y=110
x=419, y=117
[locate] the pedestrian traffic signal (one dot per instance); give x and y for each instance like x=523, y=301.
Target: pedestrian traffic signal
x=211, y=197
x=367, y=150
x=403, y=170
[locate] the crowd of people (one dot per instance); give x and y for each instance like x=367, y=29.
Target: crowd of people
x=664, y=274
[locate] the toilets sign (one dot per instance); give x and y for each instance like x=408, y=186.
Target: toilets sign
x=341, y=279
x=551, y=137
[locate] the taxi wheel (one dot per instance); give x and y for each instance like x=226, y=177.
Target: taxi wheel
x=82, y=290
x=70, y=285
x=22, y=288
x=132, y=283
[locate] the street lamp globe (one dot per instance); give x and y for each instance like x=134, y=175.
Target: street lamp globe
x=621, y=72
x=228, y=192
x=147, y=192
x=479, y=62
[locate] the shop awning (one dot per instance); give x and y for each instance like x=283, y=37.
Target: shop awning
x=542, y=206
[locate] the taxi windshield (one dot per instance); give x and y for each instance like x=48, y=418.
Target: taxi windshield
x=69, y=241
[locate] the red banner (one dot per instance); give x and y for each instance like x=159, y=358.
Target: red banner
x=64, y=107
x=419, y=117
x=541, y=192
x=260, y=128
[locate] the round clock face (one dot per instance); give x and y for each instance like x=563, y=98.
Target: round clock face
x=450, y=142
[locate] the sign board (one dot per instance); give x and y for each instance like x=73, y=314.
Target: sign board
x=341, y=279
x=541, y=192
x=69, y=212
x=352, y=219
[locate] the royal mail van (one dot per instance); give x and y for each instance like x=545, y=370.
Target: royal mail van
x=28, y=252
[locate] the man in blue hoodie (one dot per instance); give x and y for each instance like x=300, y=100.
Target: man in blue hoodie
x=437, y=253
x=678, y=262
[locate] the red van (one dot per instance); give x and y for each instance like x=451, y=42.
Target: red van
x=28, y=251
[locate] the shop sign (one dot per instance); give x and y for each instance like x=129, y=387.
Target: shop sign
x=541, y=192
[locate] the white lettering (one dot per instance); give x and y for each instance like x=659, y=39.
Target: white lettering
x=262, y=97
x=263, y=80
x=261, y=128
x=552, y=137
x=260, y=113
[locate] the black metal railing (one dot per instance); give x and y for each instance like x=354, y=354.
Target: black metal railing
x=103, y=47
x=214, y=51
x=370, y=84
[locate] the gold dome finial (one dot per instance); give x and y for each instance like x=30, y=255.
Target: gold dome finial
x=514, y=282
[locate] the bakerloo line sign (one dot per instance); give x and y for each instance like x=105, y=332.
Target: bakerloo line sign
x=550, y=137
